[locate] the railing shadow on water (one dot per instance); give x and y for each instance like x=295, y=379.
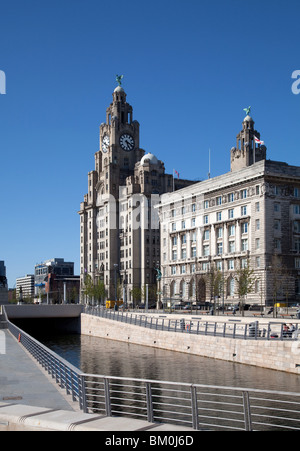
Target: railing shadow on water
x=201, y=407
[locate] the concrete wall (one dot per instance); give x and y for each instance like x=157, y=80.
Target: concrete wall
x=272, y=354
x=43, y=311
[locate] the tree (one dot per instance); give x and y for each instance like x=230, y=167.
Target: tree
x=214, y=279
x=88, y=287
x=245, y=283
x=99, y=291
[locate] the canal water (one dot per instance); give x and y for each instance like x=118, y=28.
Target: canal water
x=111, y=358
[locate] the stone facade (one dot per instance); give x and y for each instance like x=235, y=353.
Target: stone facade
x=247, y=217
x=120, y=236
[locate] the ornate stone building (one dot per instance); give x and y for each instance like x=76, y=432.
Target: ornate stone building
x=249, y=216
x=120, y=235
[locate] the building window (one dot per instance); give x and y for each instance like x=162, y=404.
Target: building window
x=243, y=194
x=257, y=224
x=206, y=235
x=244, y=263
x=244, y=210
x=230, y=197
x=277, y=245
x=219, y=200
x=193, y=252
x=277, y=224
x=245, y=227
x=205, y=219
x=276, y=207
x=230, y=213
x=206, y=250
x=173, y=226
x=257, y=207
x=296, y=192
x=174, y=255
x=206, y=204
x=244, y=244
x=193, y=207
x=297, y=245
x=220, y=232
x=173, y=270
x=182, y=269
x=297, y=263
x=231, y=230
x=220, y=248
x=297, y=226
x=230, y=264
x=183, y=254
x=296, y=209
x=219, y=216
x=257, y=243
x=231, y=246
x=219, y=266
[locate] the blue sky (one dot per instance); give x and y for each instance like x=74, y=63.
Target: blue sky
x=190, y=67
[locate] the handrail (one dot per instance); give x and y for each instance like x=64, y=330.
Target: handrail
x=245, y=331
x=199, y=406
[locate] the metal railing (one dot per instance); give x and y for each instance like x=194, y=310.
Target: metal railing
x=230, y=329
x=201, y=407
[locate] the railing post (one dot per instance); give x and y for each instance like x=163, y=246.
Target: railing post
x=107, y=397
x=194, y=406
x=247, y=411
x=82, y=396
x=150, y=415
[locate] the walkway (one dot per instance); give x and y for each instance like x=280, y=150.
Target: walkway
x=30, y=399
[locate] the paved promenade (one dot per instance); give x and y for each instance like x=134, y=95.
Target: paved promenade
x=30, y=400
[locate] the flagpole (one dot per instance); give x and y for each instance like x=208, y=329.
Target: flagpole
x=173, y=181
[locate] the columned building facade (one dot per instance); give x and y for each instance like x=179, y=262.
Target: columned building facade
x=247, y=217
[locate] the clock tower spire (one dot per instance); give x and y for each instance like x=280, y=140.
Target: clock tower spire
x=119, y=135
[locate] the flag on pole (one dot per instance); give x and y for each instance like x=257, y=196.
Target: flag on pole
x=177, y=173
x=258, y=141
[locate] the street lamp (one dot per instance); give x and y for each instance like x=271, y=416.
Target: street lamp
x=116, y=294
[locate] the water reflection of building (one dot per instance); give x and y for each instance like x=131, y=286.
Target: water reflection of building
x=3, y=284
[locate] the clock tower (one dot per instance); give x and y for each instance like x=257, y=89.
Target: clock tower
x=119, y=137
x=120, y=240
x=114, y=167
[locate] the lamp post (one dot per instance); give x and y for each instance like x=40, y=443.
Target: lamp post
x=116, y=293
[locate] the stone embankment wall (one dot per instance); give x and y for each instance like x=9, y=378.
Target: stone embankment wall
x=272, y=354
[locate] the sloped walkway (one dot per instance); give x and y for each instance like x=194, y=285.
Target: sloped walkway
x=30, y=400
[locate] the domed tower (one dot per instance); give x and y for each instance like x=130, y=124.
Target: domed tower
x=246, y=151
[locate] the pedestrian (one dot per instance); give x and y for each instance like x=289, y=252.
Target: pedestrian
x=285, y=330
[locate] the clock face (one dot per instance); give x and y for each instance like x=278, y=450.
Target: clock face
x=127, y=142
x=105, y=143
